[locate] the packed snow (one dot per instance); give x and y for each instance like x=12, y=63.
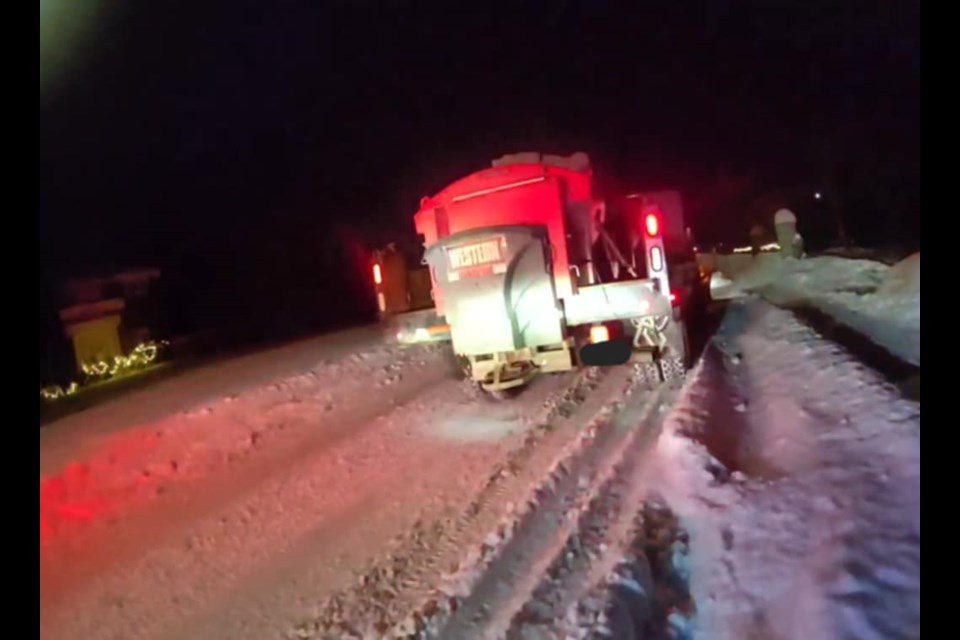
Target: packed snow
x=879, y=301
x=97, y=464
x=796, y=472
x=344, y=487
x=238, y=515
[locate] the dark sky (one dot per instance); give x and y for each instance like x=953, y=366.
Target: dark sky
x=200, y=131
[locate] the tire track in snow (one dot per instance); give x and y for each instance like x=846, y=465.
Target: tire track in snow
x=539, y=536
x=646, y=594
x=409, y=576
x=603, y=531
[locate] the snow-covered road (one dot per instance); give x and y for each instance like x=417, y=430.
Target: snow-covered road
x=342, y=488
x=242, y=514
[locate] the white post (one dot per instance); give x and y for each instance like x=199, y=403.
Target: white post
x=785, y=223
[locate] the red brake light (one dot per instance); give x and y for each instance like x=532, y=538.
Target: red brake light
x=377, y=276
x=674, y=298
x=652, y=224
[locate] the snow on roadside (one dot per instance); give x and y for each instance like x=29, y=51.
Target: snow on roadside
x=797, y=474
x=879, y=301
x=137, y=463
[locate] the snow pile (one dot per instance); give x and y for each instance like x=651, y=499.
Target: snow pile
x=903, y=278
x=797, y=474
x=879, y=301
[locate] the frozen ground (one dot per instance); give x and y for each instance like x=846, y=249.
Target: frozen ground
x=143, y=519
x=341, y=488
x=275, y=489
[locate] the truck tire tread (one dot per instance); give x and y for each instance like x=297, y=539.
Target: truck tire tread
x=673, y=368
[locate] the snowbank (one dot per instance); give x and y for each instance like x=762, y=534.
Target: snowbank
x=879, y=301
x=797, y=473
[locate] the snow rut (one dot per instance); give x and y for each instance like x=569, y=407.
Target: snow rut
x=544, y=565
x=411, y=592
x=599, y=541
x=646, y=594
x=394, y=586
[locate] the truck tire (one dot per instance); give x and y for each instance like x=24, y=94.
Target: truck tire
x=674, y=366
x=648, y=373
x=458, y=367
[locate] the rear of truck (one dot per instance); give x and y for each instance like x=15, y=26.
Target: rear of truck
x=512, y=254
x=404, y=297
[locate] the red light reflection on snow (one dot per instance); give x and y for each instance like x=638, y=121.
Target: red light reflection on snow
x=114, y=477
x=65, y=499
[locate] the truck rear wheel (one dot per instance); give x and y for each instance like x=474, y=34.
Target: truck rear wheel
x=651, y=374
x=672, y=368
x=458, y=366
x=674, y=364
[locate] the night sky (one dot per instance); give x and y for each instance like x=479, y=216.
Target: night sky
x=226, y=142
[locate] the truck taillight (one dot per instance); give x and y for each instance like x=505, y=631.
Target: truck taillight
x=377, y=276
x=675, y=298
x=652, y=224
x=599, y=333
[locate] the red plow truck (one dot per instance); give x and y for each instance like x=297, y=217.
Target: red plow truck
x=532, y=275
